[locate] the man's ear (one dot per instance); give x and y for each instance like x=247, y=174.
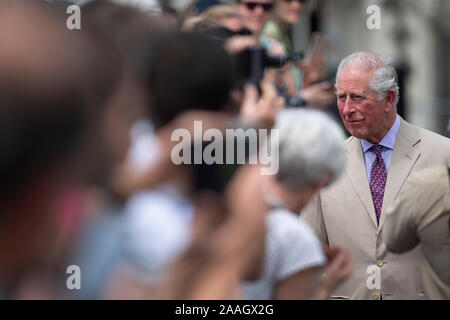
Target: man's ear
x=390, y=100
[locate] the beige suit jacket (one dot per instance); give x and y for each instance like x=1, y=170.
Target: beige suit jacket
x=344, y=215
x=421, y=214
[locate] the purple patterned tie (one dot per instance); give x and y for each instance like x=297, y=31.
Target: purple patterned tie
x=378, y=179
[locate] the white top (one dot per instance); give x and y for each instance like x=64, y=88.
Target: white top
x=145, y=148
x=291, y=246
x=158, y=227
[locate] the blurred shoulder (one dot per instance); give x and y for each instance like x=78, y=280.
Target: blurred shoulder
x=284, y=223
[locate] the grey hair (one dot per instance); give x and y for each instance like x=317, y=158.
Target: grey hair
x=384, y=76
x=311, y=147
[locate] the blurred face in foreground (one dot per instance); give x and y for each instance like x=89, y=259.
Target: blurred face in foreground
x=39, y=80
x=363, y=114
x=255, y=13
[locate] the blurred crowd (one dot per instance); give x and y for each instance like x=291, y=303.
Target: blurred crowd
x=87, y=139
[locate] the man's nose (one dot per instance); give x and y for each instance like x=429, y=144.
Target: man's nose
x=348, y=106
x=259, y=10
x=296, y=4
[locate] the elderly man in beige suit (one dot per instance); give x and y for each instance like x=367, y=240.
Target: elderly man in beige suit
x=382, y=153
x=421, y=214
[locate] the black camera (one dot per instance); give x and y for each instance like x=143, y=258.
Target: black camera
x=250, y=65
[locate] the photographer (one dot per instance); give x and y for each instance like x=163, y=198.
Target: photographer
x=255, y=15
x=187, y=83
x=301, y=81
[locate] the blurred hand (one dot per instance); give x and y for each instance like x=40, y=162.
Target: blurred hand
x=237, y=44
x=229, y=233
x=263, y=110
x=314, y=67
x=313, y=70
x=319, y=95
x=275, y=47
x=337, y=268
x=286, y=81
x=126, y=180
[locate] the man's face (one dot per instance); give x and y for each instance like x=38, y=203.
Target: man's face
x=290, y=11
x=363, y=115
x=255, y=13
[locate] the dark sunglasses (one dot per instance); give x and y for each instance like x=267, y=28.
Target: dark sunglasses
x=252, y=5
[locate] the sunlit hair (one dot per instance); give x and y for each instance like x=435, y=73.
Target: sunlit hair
x=384, y=76
x=198, y=23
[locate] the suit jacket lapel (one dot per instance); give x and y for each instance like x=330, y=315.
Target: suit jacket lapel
x=357, y=174
x=404, y=156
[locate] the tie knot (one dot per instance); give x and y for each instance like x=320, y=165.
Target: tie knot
x=377, y=149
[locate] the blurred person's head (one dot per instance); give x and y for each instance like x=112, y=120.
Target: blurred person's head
x=127, y=27
x=186, y=71
x=198, y=24
x=367, y=94
x=255, y=13
x=128, y=30
x=311, y=155
x=289, y=12
x=226, y=16
x=46, y=75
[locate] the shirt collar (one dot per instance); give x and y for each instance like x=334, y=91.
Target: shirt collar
x=389, y=139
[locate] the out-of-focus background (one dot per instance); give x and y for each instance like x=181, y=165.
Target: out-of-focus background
x=415, y=33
